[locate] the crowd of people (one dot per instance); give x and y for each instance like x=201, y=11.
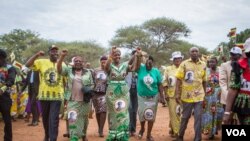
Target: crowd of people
x=122, y=91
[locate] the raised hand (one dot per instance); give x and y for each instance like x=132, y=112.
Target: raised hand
x=112, y=52
x=40, y=53
x=64, y=52
x=138, y=52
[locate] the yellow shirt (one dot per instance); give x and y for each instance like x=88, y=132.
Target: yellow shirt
x=170, y=80
x=51, y=83
x=192, y=75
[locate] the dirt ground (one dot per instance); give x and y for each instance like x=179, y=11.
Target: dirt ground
x=22, y=132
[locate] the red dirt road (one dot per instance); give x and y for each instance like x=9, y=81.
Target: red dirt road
x=22, y=132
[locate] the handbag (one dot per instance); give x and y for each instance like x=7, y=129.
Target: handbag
x=87, y=93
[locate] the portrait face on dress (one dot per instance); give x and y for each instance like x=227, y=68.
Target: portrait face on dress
x=101, y=76
x=171, y=81
x=189, y=76
x=120, y=105
x=148, y=114
x=72, y=116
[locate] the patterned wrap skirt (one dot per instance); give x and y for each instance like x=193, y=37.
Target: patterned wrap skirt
x=99, y=102
x=78, y=119
x=117, y=98
x=147, y=107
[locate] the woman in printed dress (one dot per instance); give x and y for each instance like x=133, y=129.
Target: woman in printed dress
x=99, y=100
x=169, y=87
x=212, y=108
x=78, y=106
x=117, y=97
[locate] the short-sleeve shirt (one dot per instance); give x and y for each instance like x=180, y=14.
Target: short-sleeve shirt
x=148, y=81
x=170, y=80
x=51, y=83
x=192, y=75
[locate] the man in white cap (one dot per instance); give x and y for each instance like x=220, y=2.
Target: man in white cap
x=239, y=92
x=225, y=73
x=169, y=88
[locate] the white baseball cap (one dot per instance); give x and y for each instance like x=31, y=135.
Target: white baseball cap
x=236, y=50
x=72, y=61
x=247, y=45
x=176, y=54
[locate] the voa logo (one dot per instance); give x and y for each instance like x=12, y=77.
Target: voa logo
x=236, y=132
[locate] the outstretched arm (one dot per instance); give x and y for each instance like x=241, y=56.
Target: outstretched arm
x=137, y=60
x=110, y=59
x=30, y=62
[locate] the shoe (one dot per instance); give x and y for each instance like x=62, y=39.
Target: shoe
x=171, y=132
x=179, y=138
x=33, y=124
x=132, y=134
x=150, y=138
x=101, y=134
x=174, y=135
x=211, y=137
x=140, y=134
x=84, y=138
x=66, y=135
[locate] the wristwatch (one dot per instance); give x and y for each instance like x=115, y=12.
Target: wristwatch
x=227, y=113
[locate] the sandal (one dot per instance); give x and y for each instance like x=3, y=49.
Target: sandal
x=150, y=138
x=140, y=134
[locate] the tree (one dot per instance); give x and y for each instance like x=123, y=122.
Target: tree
x=159, y=37
x=131, y=37
x=164, y=31
x=18, y=40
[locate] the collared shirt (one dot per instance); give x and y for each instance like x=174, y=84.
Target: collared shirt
x=170, y=80
x=192, y=75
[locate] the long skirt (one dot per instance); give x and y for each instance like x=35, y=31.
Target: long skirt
x=99, y=102
x=147, y=107
x=174, y=116
x=211, y=119
x=78, y=119
x=117, y=99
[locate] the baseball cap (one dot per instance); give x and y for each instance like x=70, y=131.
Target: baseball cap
x=176, y=54
x=247, y=45
x=236, y=50
x=72, y=61
x=53, y=47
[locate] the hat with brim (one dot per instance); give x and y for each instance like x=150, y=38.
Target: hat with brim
x=236, y=50
x=53, y=47
x=176, y=54
x=247, y=45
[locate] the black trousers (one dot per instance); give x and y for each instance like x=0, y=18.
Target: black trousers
x=5, y=110
x=50, y=116
x=33, y=102
x=133, y=107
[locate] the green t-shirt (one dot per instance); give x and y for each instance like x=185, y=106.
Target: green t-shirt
x=148, y=81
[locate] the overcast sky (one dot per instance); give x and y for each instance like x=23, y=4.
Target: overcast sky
x=81, y=20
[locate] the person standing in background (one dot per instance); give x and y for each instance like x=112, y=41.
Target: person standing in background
x=7, y=80
x=131, y=80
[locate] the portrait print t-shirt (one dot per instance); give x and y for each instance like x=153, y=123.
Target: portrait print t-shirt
x=51, y=83
x=148, y=81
